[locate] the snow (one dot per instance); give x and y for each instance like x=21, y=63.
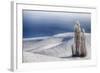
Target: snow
x=37, y=45
x=64, y=34
x=56, y=47
x=36, y=38
x=32, y=57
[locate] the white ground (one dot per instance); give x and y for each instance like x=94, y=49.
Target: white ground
x=51, y=48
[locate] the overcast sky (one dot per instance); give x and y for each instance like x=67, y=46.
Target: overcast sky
x=47, y=23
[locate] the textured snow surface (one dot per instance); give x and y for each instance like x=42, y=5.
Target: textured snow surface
x=56, y=47
x=33, y=57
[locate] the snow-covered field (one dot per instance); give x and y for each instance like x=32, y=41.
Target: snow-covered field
x=51, y=48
